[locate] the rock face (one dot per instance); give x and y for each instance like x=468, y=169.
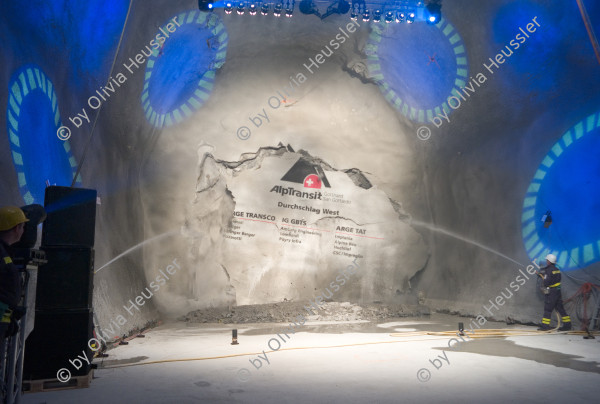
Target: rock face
x=280, y=224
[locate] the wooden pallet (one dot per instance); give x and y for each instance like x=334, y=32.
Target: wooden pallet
x=42, y=385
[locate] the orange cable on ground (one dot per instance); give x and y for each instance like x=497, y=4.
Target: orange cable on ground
x=258, y=353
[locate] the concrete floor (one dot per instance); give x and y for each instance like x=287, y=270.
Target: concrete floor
x=319, y=369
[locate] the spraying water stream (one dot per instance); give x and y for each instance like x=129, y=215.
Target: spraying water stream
x=459, y=237
x=135, y=247
x=412, y=222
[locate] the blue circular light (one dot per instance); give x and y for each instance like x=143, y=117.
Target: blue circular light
x=566, y=184
x=180, y=75
x=418, y=67
x=33, y=118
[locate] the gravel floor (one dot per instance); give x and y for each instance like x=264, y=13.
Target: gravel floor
x=288, y=311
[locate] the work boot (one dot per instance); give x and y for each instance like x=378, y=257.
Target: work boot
x=544, y=327
x=565, y=327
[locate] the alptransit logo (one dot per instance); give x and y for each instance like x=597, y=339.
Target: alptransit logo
x=306, y=173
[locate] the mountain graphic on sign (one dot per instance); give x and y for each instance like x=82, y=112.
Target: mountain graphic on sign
x=306, y=173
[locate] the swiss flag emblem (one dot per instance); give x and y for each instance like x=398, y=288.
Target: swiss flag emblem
x=312, y=181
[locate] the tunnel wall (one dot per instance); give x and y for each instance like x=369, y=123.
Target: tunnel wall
x=471, y=177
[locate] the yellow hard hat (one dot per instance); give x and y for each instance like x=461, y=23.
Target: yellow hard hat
x=10, y=216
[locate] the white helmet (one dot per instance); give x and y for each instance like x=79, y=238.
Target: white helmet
x=551, y=258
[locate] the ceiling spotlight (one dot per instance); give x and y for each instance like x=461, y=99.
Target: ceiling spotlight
x=389, y=17
x=205, y=5
x=366, y=15
x=355, y=12
x=264, y=9
x=400, y=16
x=240, y=8
x=410, y=18
x=434, y=9
x=307, y=7
x=252, y=9
x=377, y=16
x=343, y=7
x=228, y=7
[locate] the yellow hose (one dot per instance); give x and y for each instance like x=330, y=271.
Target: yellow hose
x=492, y=332
x=258, y=353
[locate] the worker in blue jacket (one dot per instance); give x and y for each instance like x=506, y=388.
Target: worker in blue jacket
x=552, y=295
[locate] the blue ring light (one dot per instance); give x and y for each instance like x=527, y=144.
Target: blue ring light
x=180, y=74
x=417, y=78
x=566, y=183
x=32, y=120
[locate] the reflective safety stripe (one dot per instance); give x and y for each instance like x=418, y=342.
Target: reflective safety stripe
x=555, y=272
x=566, y=319
x=545, y=320
x=3, y=308
x=555, y=285
x=6, y=316
x=7, y=260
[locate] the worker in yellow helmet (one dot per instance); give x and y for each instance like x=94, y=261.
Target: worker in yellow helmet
x=12, y=225
x=552, y=295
